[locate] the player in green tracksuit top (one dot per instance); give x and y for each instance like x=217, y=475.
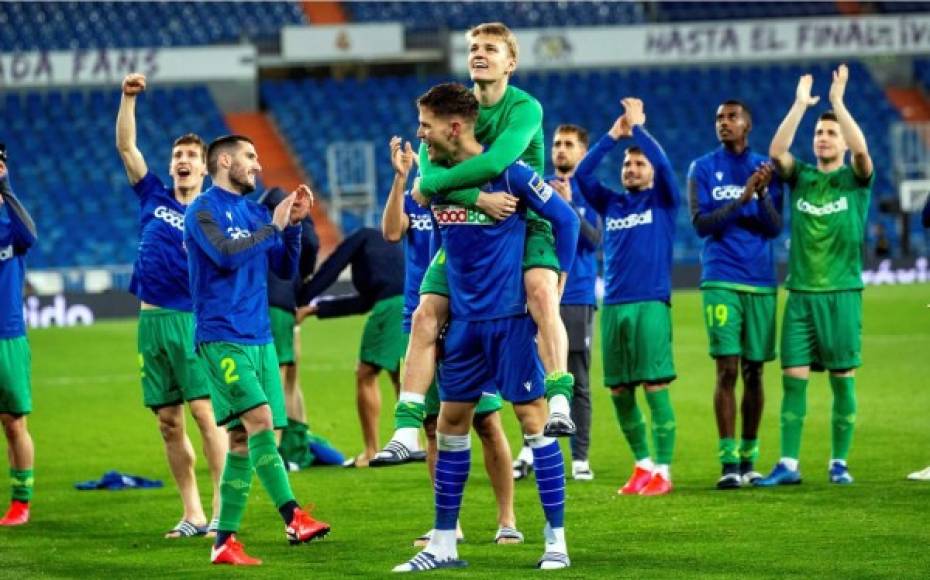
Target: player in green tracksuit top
x=510, y=126
x=822, y=326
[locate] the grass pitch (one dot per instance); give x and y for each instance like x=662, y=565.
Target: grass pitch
x=89, y=418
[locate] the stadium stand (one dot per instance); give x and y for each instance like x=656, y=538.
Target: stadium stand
x=418, y=16
x=62, y=152
x=696, y=11
x=378, y=108
x=49, y=131
x=26, y=26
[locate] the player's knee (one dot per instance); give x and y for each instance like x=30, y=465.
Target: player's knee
x=425, y=324
x=170, y=427
x=365, y=372
x=14, y=427
x=429, y=427
x=752, y=374
x=619, y=390
x=486, y=427
x=727, y=372
x=238, y=442
x=655, y=387
x=202, y=412
x=543, y=298
x=797, y=372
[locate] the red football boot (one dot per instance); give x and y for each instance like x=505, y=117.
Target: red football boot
x=304, y=528
x=232, y=552
x=17, y=515
x=637, y=482
x=658, y=485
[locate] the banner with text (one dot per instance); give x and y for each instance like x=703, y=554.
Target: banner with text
x=751, y=40
x=333, y=43
x=108, y=66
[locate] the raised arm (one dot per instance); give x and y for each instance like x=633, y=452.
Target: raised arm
x=784, y=136
x=588, y=185
x=523, y=122
x=394, y=221
x=22, y=225
x=665, y=184
x=859, y=150
x=132, y=158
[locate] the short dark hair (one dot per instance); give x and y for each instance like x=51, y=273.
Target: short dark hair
x=450, y=99
x=578, y=130
x=635, y=149
x=828, y=115
x=741, y=105
x=191, y=139
x=222, y=145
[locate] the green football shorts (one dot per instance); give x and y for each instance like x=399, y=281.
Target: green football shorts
x=434, y=279
x=171, y=371
x=740, y=323
x=538, y=252
x=636, y=343
x=383, y=343
x=282, y=332
x=539, y=247
x=15, y=380
x=822, y=330
x=243, y=377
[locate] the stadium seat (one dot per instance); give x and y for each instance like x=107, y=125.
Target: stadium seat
x=420, y=16
x=27, y=26
x=61, y=153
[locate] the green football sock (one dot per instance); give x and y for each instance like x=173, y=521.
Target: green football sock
x=21, y=481
x=727, y=451
x=749, y=450
x=270, y=468
x=631, y=423
x=793, y=410
x=409, y=414
x=560, y=383
x=844, y=414
x=235, y=484
x=663, y=424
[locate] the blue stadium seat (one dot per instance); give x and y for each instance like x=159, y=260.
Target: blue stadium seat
x=696, y=11
x=27, y=26
x=64, y=166
x=419, y=16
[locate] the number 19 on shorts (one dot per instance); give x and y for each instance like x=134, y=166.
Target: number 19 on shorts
x=716, y=314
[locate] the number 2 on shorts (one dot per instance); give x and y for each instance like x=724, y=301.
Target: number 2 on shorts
x=718, y=313
x=229, y=366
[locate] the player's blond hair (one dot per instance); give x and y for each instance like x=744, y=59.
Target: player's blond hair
x=500, y=30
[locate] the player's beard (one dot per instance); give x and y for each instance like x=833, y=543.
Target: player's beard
x=564, y=168
x=239, y=177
